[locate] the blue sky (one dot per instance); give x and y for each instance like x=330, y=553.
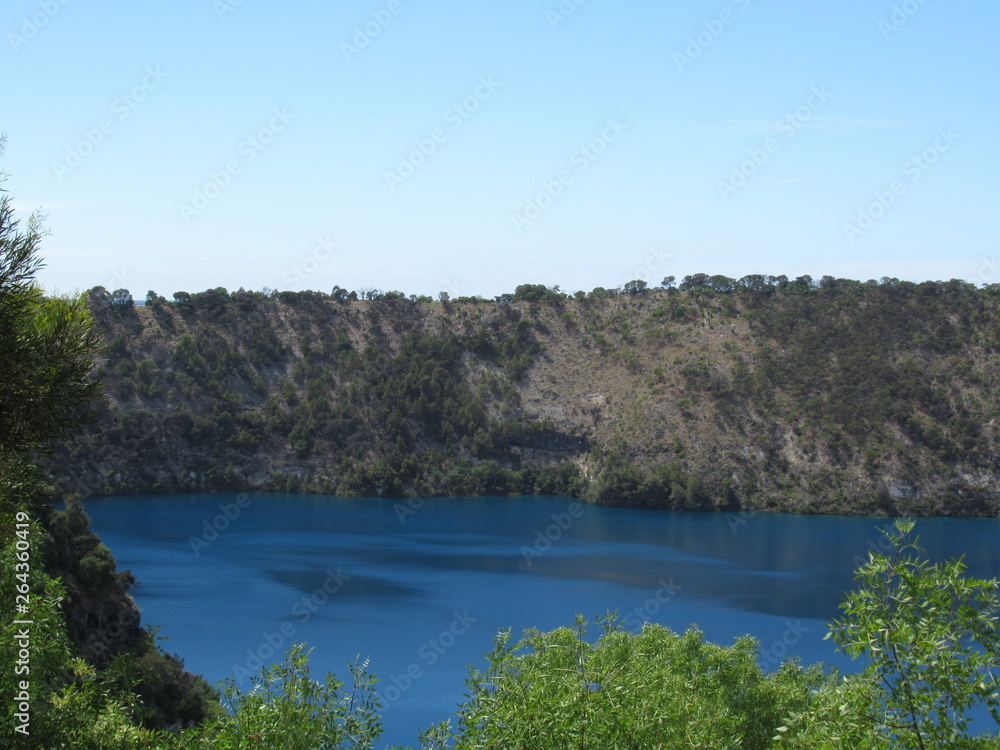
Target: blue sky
x=468, y=148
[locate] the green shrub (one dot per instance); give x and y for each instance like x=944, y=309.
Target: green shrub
x=653, y=689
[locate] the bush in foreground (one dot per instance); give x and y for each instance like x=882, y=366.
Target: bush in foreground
x=930, y=634
x=657, y=688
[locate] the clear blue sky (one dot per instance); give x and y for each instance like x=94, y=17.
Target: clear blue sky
x=856, y=138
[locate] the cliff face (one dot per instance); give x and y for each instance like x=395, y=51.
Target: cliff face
x=102, y=622
x=848, y=398
x=101, y=618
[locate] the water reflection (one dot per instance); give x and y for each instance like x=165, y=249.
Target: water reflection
x=404, y=570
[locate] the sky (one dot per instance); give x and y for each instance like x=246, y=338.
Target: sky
x=425, y=146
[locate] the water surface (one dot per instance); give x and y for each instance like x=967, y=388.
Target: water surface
x=421, y=588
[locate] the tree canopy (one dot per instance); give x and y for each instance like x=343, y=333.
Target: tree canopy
x=48, y=347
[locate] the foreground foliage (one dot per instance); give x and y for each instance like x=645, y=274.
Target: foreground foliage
x=556, y=690
x=929, y=634
x=932, y=639
x=287, y=709
x=78, y=671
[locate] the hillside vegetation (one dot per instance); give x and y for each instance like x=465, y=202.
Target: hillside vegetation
x=762, y=393
x=393, y=395
x=70, y=636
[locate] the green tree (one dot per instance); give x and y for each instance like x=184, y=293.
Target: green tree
x=652, y=689
x=287, y=709
x=933, y=640
x=48, y=347
x=122, y=299
x=636, y=287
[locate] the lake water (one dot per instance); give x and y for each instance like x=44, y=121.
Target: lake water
x=421, y=588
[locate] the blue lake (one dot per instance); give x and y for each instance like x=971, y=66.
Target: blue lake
x=421, y=588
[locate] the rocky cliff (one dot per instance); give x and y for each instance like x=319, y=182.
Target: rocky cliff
x=769, y=394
